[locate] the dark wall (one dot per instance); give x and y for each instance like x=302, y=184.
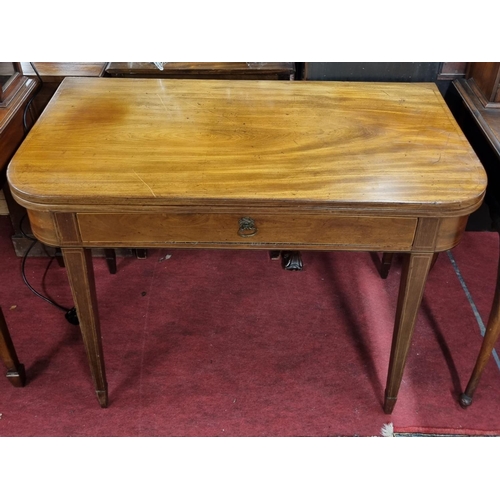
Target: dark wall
x=376, y=72
x=372, y=71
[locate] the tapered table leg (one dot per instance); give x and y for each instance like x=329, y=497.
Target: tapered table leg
x=15, y=370
x=81, y=278
x=386, y=263
x=411, y=289
x=490, y=338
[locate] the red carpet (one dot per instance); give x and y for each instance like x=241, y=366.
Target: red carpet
x=214, y=343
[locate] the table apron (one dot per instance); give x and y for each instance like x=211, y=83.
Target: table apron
x=245, y=230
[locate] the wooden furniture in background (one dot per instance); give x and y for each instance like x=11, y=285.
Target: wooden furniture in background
x=483, y=78
x=452, y=70
x=16, y=91
x=15, y=118
x=15, y=98
x=51, y=74
x=248, y=165
x=212, y=70
x=11, y=80
x=15, y=370
x=56, y=72
x=480, y=98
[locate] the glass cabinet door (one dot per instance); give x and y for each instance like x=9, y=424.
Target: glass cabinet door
x=10, y=81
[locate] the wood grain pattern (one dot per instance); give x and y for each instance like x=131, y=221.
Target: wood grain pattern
x=55, y=72
x=204, y=230
x=217, y=230
x=11, y=121
x=413, y=277
x=172, y=142
x=44, y=228
x=316, y=165
x=450, y=233
x=81, y=277
x=218, y=70
x=12, y=134
x=487, y=119
x=452, y=70
x=484, y=78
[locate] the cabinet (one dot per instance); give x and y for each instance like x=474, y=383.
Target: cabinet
x=12, y=129
x=11, y=80
x=53, y=73
x=209, y=70
x=16, y=92
x=484, y=80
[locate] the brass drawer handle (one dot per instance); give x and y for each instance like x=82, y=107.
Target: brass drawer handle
x=247, y=227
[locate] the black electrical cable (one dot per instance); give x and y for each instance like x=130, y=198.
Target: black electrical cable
x=35, y=70
x=70, y=315
x=25, y=125
x=38, y=294
x=27, y=236
x=22, y=230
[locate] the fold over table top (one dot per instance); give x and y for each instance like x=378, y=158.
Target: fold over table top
x=321, y=145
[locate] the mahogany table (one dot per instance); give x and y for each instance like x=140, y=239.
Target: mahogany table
x=248, y=165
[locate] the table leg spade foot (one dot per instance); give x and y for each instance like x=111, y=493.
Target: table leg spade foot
x=389, y=404
x=102, y=397
x=17, y=377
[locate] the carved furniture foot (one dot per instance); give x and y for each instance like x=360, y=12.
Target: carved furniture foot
x=291, y=261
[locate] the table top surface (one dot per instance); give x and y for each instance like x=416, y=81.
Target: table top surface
x=122, y=142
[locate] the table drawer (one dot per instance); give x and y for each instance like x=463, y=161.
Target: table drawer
x=246, y=230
